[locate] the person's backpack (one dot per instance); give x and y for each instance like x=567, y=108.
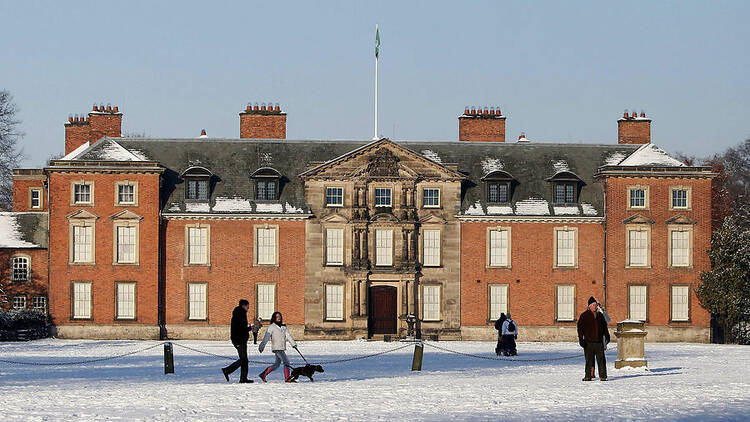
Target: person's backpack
x=511, y=326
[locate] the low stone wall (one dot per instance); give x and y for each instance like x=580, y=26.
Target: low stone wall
x=666, y=334
x=656, y=334
x=220, y=332
x=107, y=332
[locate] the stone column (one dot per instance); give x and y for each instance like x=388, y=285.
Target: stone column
x=365, y=245
x=355, y=297
x=405, y=246
x=355, y=243
x=631, y=337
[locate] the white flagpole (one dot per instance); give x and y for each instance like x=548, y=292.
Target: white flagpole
x=375, y=136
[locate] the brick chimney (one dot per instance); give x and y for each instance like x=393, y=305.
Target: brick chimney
x=481, y=125
x=264, y=122
x=633, y=129
x=101, y=121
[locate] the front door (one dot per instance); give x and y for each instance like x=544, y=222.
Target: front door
x=383, y=310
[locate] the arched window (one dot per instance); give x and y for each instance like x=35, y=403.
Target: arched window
x=266, y=184
x=21, y=268
x=500, y=185
x=197, y=183
x=566, y=187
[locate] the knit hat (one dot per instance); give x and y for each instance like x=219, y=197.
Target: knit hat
x=592, y=299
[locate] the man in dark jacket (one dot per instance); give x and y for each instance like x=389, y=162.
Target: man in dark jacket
x=239, y=335
x=592, y=331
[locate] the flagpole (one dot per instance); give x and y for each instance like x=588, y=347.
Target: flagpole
x=375, y=136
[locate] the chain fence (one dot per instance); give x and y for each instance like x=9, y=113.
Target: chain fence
x=82, y=362
x=471, y=355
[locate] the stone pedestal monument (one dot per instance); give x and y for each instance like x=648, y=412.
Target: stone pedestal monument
x=631, y=336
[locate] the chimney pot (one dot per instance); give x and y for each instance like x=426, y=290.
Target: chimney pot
x=116, y=110
x=643, y=113
x=473, y=110
x=634, y=114
x=203, y=133
x=277, y=108
x=94, y=107
x=263, y=106
x=248, y=107
x=625, y=114
x=109, y=107
x=497, y=111
x=486, y=111
x=466, y=110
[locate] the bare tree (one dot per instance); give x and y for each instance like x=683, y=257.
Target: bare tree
x=10, y=155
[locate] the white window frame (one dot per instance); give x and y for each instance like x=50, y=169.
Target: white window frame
x=431, y=247
x=383, y=247
x=497, y=256
x=40, y=199
x=125, y=232
x=646, y=229
x=264, y=307
x=19, y=302
x=573, y=233
x=424, y=197
x=126, y=293
x=497, y=295
x=18, y=261
x=687, y=231
x=638, y=302
x=83, y=253
x=389, y=197
x=74, y=195
x=334, y=246
x=565, y=311
x=35, y=300
x=646, y=194
x=688, y=198
x=431, y=300
x=202, y=254
x=339, y=195
x=81, y=306
x=334, y=302
x=266, y=245
x=197, y=301
x=679, y=301
x=122, y=184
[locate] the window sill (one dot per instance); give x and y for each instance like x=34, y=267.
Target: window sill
x=81, y=319
x=498, y=267
x=680, y=209
x=637, y=209
x=431, y=266
x=565, y=320
x=126, y=205
x=433, y=207
x=565, y=267
x=328, y=264
x=84, y=264
x=196, y=265
x=334, y=205
x=431, y=321
x=637, y=267
x=681, y=267
x=265, y=265
x=81, y=204
x=333, y=320
x=681, y=322
x=196, y=320
x=126, y=264
x=126, y=320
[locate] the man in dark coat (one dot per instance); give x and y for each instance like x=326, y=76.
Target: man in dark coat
x=592, y=332
x=239, y=335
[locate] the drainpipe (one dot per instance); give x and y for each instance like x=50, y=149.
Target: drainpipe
x=604, y=259
x=49, y=218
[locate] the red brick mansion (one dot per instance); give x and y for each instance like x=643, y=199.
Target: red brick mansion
x=147, y=238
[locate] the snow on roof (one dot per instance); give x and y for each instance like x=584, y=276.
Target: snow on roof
x=499, y=210
x=475, y=209
x=532, y=206
x=197, y=207
x=276, y=208
x=491, y=164
x=10, y=236
x=566, y=210
x=174, y=207
x=560, y=165
x=112, y=151
x=76, y=151
x=235, y=204
x=614, y=158
x=291, y=209
x=588, y=209
x=432, y=156
x=651, y=155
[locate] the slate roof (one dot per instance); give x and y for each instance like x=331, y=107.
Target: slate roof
x=23, y=230
x=233, y=161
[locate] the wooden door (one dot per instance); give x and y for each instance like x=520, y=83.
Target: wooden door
x=383, y=310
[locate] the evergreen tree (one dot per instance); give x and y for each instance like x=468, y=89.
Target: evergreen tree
x=725, y=290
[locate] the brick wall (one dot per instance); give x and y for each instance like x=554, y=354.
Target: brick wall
x=633, y=131
x=22, y=184
x=101, y=122
x=262, y=126
x=481, y=128
x=36, y=286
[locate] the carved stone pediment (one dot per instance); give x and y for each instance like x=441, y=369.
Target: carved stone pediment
x=383, y=162
x=432, y=219
x=638, y=219
x=334, y=218
x=126, y=215
x=384, y=217
x=82, y=215
x=680, y=219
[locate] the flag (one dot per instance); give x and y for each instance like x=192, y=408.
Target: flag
x=377, y=41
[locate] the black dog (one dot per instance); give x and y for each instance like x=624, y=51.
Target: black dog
x=307, y=370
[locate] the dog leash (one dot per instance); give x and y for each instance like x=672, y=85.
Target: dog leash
x=300, y=353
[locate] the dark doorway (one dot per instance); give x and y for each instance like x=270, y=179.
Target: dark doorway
x=382, y=310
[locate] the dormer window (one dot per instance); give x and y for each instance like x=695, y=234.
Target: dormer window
x=566, y=187
x=499, y=186
x=197, y=183
x=266, y=184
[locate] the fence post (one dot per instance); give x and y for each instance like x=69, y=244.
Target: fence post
x=168, y=358
x=416, y=363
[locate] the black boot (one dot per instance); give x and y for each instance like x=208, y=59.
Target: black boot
x=226, y=374
x=246, y=381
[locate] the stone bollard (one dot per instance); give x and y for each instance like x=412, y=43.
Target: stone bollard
x=168, y=358
x=416, y=362
x=631, y=336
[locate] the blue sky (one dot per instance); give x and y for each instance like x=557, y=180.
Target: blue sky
x=560, y=71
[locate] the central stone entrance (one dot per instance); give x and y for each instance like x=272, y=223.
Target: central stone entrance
x=382, y=310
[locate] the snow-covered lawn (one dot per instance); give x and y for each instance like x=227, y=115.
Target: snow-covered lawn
x=685, y=381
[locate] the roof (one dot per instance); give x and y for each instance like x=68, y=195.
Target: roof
x=23, y=230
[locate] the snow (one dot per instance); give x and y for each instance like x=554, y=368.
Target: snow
x=273, y=208
x=500, y=209
x=614, y=158
x=112, y=151
x=10, y=237
x=76, y=151
x=140, y=155
x=197, y=207
x=588, y=209
x=692, y=382
x=560, y=165
x=532, y=206
x=291, y=209
x=174, y=207
x=566, y=210
x=651, y=155
x=475, y=209
x=491, y=164
x=432, y=156
x=235, y=204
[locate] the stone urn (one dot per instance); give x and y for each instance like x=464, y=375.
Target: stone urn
x=631, y=336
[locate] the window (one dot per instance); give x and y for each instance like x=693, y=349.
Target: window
x=83, y=241
x=126, y=301
x=334, y=302
x=335, y=197
x=431, y=248
x=499, y=248
x=680, y=303
x=197, y=189
x=638, y=197
x=565, y=247
x=197, y=303
x=382, y=197
x=82, y=300
x=383, y=247
x=498, y=192
x=19, y=302
x=637, y=300
x=638, y=247
x=566, y=302
x=39, y=303
x=265, y=190
x=565, y=193
x=431, y=303
x=498, y=300
x=198, y=245
x=126, y=244
x=266, y=300
x=680, y=198
x=431, y=198
x=82, y=193
x=265, y=241
x=35, y=198
x=334, y=246
x=126, y=193
x=679, y=244
x=20, y=268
